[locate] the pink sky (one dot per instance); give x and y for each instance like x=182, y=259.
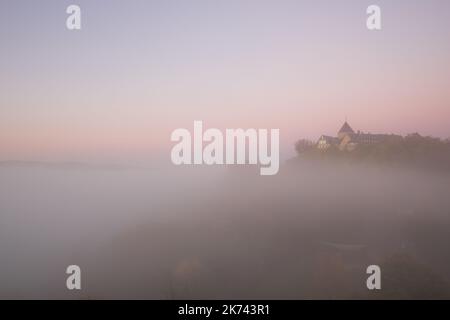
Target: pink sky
x=123, y=83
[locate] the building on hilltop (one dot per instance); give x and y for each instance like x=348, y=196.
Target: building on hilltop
x=347, y=139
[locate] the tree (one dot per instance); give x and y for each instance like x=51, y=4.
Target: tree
x=303, y=145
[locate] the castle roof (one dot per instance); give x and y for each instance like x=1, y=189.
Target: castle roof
x=346, y=128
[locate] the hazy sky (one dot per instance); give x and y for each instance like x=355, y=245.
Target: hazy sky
x=139, y=69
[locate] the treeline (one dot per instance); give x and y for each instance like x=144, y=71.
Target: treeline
x=413, y=149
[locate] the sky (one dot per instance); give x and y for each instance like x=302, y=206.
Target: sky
x=140, y=69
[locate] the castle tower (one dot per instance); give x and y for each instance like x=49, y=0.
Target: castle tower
x=345, y=129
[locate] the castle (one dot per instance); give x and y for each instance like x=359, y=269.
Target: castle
x=348, y=140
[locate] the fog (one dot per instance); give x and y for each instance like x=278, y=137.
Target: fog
x=224, y=232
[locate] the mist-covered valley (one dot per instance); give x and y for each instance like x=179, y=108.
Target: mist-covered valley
x=224, y=233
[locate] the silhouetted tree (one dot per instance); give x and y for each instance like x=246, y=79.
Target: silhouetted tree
x=304, y=145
